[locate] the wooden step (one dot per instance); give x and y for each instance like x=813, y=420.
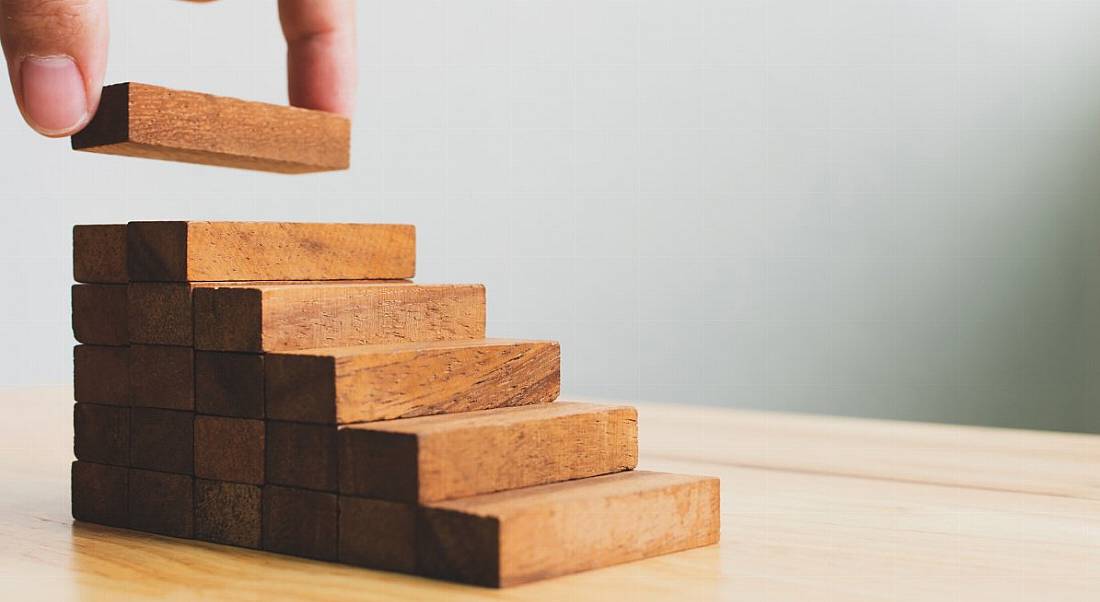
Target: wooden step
x=458, y=455
x=380, y=382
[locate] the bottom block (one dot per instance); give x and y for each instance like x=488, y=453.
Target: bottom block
x=160, y=502
x=523, y=535
x=228, y=513
x=377, y=534
x=300, y=522
x=99, y=493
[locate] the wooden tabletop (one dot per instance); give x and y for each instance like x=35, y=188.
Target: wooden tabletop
x=813, y=508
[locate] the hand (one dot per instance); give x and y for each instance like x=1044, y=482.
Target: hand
x=57, y=53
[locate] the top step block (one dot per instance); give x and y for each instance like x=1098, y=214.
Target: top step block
x=268, y=251
x=99, y=254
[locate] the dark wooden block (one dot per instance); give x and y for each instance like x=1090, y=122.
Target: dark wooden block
x=99, y=254
x=101, y=433
x=99, y=493
x=301, y=523
x=161, y=502
x=229, y=449
x=99, y=314
x=162, y=440
x=101, y=374
x=229, y=384
x=377, y=534
x=162, y=377
x=302, y=455
x=160, y=313
x=228, y=513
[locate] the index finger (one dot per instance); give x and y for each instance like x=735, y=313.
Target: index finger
x=320, y=39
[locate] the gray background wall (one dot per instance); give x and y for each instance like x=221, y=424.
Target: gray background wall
x=882, y=208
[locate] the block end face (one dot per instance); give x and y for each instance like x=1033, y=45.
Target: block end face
x=157, y=251
x=111, y=122
x=300, y=388
x=228, y=319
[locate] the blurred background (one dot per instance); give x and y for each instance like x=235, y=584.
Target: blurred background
x=885, y=208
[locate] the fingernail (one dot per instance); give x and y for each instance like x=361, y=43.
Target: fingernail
x=54, y=99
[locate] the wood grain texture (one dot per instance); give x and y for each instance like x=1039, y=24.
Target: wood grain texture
x=101, y=374
x=99, y=314
x=159, y=313
x=302, y=455
x=162, y=440
x=271, y=318
x=162, y=377
x=101, y=434
x=379, y=382
x=301, y=523
x=260, y=251
x=457, y=455
x=99, y=493
x=525, y=535
x=99, y=254
x=161, y=503
x=229, y=449
x=377, y=534
x=228, y=513
x=229, y=384
x=139, y=120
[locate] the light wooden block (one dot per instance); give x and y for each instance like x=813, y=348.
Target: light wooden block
x=248, y=251
x=229, y=384
x=162, y=440
x=421, y=460
x=302, y=455
x=274, y=317
x=161, y=503
x=101, y=434
x=379, y=382
x=301, y=523
x=514, y=537
x=228, y=513
x=229, y=449
x=99, y=493
x=162, y=377
x=99, y=314
x=99, y=254
x=377, y=534
x=101, y=374
x=139, y=120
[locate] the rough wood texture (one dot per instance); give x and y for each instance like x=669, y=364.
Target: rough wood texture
x=377, y=534
x=266, y=318
x=229, y=384
x=300, y=522
x=378, y=382
x=244, y=251
x=525, y=535
x=159, y=313
x=101, y=374
x=162, y=377
x=162, y=440
x=139, y=120
x=101, y=433
x=458, y=455
x=302, y=455
x=99, y=493
x=99, y=314
x=229, y=449
x=99, y=254
x=228, y=513
x=161, y=503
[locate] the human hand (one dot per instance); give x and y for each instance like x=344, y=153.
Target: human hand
x=57, y=52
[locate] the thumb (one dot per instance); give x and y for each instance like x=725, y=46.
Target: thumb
x=56, y=52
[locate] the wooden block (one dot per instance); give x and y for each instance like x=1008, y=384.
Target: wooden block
x=161, y=502
x=514, y=537
x=101, y=374
x=265, y=318
x=162, y=440
x=139, y=120
x=458, y=455
x=302, y=455
x=377, y=534
x=99, y=254
x=99, y=314
x=228, y=513
x=229, y=384
x=229, y=449
x=99, y=493
x=162, y=377
x=379, y=382
x=159, y=313
x=243, y=251
x=101, y=433
x=301, y=523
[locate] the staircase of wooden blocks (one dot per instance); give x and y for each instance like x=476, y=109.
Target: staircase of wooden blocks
x=285, y=387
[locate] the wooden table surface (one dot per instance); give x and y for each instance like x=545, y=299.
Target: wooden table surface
x=813, y=508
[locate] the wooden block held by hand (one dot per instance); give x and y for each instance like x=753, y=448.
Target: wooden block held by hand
x=301, y=523
x=514, y=537
x=161, y=503
x=377, y=534
x=162, y=377
x=229, y=449
x=380, y=382
x=162, y=440
x=249, y=251
x=99, y=314
x=99, y=493
x=101, y=434
x=422, y=460
x=139, y=120
x=101, y=374
x=274, y=317
x=228, y=513
x=302, y=455
x=229, y=384
x=99, y=254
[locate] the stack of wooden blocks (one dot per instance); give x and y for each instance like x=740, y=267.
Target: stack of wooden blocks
x=284, y=387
